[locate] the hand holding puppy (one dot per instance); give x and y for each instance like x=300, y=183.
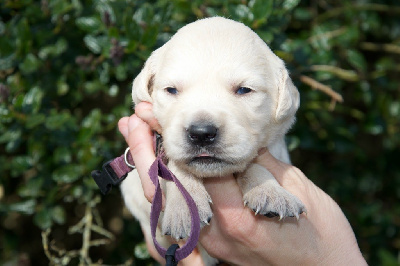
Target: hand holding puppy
x=235, y=234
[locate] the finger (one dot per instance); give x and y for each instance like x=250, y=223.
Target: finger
x=144, y=110
x=274, y=166
x=138, y=135
x=224, y=192
x=288, y=176
x=230, y=216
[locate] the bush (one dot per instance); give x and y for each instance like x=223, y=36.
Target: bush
x=66, y=69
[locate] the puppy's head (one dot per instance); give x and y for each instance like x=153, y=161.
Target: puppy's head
x=219, y=94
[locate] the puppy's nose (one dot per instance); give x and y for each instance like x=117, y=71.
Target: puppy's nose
x=202, y=134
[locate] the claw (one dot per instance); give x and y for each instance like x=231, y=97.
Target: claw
x=245, y=203
x=206, y=222
x=257, y=211
x=210, y=201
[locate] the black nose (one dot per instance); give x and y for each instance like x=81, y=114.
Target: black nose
x=202, y=134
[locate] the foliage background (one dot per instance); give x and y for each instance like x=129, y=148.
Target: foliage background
x=66, y=68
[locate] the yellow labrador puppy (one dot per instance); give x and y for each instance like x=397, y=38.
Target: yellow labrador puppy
x=220, y=94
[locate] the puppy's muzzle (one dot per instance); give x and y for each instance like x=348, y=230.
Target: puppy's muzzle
x=202, y=134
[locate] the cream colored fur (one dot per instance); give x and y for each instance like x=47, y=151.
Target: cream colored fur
x=207, y=61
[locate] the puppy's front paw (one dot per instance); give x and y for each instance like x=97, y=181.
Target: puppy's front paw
x=270, y=199
x=176, y=221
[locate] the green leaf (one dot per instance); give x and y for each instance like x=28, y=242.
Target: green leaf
x=32, y=100
x=303, y=14
x=92, y=43
x=23, y=38
x=34, y=120
x=57, y=120
x=25, y=207
x=43, y=219
x=121, y=72
x=242, y=13
x=290, y=4
x=77, y=192
x=357, y=60
x=93, y=119
x=94, y=86
x=10, y=135
x=7, y=62
x=21, y=163
x=59, y=7
x=6, y=45
x=32, y=188
x=150, y=35
x=68, y=173
x=58, y=214
x=62, y=87
x=53, y=50
x=89, y=24
x=144, y=14
x=62, y=155
x=30, y=64
x=113, y=91
x=262, y=9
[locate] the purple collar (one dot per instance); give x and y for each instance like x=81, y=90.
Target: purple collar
x=116, y=170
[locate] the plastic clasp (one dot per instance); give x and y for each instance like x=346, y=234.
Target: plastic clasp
x=106, y=178
x=170, y=255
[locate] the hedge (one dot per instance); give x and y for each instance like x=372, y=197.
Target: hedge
x=66, y=68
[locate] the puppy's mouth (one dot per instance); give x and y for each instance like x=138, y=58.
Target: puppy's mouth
x=204, y=158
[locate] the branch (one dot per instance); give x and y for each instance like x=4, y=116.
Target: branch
x=370, y=7
x=386, y=47
x=84, y=258
x=345, y=74
x=336, y=97
x=91, y=222
x=328, y=34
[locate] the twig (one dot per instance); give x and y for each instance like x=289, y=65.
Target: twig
x=386, y=47
x=85, y=226
x=371, y=7
x=84, y=258
x=336, y=97
x=45, y=243
x=102, y=231
x=328, y=35
x=345, y=74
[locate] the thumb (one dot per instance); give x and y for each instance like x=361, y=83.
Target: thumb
x=139, y=137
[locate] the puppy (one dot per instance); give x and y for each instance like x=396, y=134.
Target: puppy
x=219, y=94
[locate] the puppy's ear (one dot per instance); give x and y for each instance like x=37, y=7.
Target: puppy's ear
x=288, y=97
x=142, y=86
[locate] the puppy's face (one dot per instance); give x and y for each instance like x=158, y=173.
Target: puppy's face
x=219, y=95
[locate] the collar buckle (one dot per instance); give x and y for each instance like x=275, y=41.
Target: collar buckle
x=106, y=178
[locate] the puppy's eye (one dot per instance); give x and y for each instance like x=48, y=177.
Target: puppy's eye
x=172, y=90
x=243, y=90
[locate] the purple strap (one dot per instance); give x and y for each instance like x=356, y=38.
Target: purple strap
x=119, y=166
x=158, y=168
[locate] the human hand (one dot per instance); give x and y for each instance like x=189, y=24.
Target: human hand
x=235, y=235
